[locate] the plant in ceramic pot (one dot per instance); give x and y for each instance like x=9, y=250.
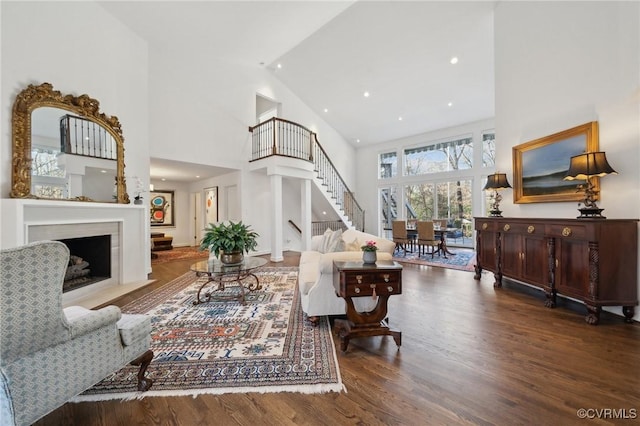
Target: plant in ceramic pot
x=229, y=241
x=369, y=250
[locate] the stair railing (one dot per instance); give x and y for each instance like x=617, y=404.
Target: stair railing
x=81, y=136
x=286, y=138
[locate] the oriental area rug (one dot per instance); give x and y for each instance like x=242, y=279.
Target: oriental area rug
x=179, y=253
x=266, y=345
x=463, y=259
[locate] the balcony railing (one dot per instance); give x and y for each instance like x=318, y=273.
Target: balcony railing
x=286, y=138
x=81, y=136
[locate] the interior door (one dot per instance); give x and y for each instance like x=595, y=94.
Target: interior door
x=195, y=213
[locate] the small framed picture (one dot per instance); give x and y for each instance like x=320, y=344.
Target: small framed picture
x=211, y=205
x=162, y=208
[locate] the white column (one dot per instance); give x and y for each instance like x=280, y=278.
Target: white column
x=305, y=196
x=276, y=219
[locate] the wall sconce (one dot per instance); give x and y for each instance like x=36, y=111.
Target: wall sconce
x=496, y=181
x=584, y=167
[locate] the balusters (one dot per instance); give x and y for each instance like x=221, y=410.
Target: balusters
x=280, y=137
x=84, y=137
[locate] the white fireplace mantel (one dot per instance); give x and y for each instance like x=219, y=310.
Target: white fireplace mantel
x=134, y=261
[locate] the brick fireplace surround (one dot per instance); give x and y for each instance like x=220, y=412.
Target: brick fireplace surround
x=25, y=221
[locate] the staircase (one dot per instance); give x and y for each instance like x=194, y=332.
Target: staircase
x=390, y=209
x=286, y=138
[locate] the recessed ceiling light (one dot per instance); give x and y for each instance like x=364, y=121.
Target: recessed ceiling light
x=454, y=60
x=103, y=171
x=324, y=212
x=326, y=110
x=197, y=177
x=399, y=118
x=450, y=104
x=163, y=179
x=357, y=140
x=279, y=66
x=366, y=94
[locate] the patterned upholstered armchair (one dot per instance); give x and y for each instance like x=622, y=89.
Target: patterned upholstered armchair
x=49, y=354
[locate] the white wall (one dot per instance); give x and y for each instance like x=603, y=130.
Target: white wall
x=171, y=102
x=201, y=111
x=562, y=64
x=82, y=50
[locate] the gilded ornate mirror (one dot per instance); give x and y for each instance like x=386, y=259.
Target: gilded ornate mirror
x=64, y=148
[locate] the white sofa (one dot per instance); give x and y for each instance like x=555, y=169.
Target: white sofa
x=315, y=278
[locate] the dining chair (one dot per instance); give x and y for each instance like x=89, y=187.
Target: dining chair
x=427, y=238
x=399, y=232
x=442, y=223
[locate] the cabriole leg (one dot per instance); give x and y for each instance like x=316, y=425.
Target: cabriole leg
x=143, y=361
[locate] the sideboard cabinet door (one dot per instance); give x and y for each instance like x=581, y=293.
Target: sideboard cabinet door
x=524, y=252
x=572, y=268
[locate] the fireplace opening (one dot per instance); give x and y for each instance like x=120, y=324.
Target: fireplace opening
x=89, y=263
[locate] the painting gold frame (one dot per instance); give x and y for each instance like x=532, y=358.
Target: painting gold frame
x=540, y=165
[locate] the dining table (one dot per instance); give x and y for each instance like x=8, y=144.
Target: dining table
x=441, y=234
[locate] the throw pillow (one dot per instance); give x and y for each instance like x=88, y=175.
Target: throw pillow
x=325, y=239
x=353, y=245
x=332, y=241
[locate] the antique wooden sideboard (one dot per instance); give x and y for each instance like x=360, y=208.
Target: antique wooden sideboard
x=594, y=261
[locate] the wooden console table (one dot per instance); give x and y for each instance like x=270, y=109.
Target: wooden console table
x=358, y=279
x=591, y=260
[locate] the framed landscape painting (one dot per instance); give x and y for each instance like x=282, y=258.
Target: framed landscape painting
x=539, y=166
x=162, y=209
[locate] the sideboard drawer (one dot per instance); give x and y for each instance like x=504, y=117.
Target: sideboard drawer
x=484, y=225
x=363, y=284
x=567, y=231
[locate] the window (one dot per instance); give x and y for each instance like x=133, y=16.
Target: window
x=45, y=162
x=449, y=200
x=488, y=149
x=47, y=180
x=388, y=206
x=440, y=157
x=420, y=201
x=388, y=165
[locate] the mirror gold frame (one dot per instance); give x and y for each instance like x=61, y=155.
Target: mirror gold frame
x=43, y=95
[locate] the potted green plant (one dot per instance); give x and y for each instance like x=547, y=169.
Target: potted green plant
x=369, y=250
x=229, y=241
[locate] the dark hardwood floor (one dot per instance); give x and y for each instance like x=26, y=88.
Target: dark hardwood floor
x=470, y=354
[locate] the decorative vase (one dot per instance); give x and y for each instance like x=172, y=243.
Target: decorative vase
x=369, y=257
x=232, y=258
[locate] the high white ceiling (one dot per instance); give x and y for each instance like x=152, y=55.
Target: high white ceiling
x=400, y=53
x=331, y=52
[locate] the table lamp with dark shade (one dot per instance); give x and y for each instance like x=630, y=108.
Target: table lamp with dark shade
x=584, y=167
x=495, y=182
